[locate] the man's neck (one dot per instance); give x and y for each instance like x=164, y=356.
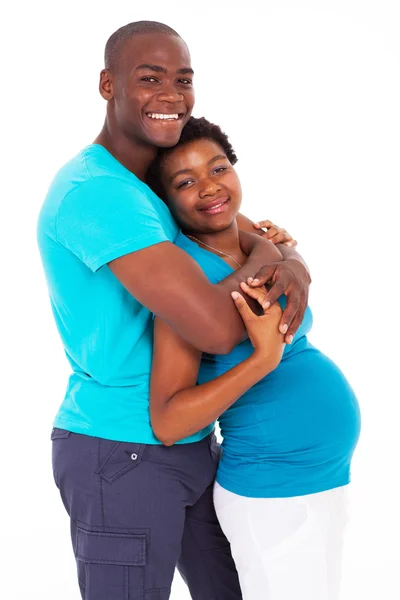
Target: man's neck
x=134, y=157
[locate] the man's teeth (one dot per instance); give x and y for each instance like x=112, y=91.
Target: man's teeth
x=162, y=116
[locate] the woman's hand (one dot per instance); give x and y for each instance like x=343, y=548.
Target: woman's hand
x=275, y=234
x=263, y=330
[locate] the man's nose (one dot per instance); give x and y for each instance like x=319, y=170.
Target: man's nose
x=170, y=94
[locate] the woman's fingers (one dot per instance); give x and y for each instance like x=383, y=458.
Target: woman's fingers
x=258, y=293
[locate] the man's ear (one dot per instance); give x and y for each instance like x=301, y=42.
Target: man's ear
x=106, y=85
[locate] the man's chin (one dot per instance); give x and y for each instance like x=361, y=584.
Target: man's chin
x=168, y=141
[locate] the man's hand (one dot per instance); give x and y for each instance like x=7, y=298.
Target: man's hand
x=289, y=277
x=275, y=234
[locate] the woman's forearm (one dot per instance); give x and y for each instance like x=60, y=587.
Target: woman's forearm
x=192, y=409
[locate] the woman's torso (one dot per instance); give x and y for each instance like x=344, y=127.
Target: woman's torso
x=295, y=431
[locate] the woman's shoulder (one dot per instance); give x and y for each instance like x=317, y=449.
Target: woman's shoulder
x=213, y=266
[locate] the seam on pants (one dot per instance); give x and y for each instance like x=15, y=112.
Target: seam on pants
x=86, y=580
x=100, y=479
x=212, y=585
x=126, y=583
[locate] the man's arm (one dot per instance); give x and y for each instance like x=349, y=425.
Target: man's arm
x=171, y=284
x=108, y=221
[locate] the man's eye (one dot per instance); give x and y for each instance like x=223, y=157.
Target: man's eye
x=186, y=81
x=149, y=78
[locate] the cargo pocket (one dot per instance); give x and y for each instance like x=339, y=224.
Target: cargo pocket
x=111, y=565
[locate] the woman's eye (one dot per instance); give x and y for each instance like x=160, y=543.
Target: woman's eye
x=184, y=183
x=220, y=169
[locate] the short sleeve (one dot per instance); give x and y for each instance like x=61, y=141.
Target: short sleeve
x=105, y=218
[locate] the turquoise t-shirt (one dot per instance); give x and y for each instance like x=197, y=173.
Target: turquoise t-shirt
x=96, y=211
x=295, y=431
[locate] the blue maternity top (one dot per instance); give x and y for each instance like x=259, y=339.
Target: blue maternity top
x=295, y=431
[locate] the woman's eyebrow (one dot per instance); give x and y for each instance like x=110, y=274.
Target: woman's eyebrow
x=210, y=162
x=218, y=157
x=181, y=172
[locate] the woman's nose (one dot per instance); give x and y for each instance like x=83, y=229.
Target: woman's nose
x=209, y=188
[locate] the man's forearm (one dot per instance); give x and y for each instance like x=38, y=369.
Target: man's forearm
x=290, y=253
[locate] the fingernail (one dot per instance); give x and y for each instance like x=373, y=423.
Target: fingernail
x=249, y=279
x=255, y=281
x=256, y=224
x=266, y=305
x=235, y=295
x=289, y=339
x=284, y=328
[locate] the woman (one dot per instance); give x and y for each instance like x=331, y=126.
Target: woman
x=289, y=419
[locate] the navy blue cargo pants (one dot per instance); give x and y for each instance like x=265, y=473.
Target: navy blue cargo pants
x=137, y=511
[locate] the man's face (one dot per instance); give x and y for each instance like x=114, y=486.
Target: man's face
x=151, y=92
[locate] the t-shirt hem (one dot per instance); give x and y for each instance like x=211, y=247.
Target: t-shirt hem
x=126, y=248
x=291, y=492
x=133, y=437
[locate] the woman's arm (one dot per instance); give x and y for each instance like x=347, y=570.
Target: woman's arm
x=179, y=407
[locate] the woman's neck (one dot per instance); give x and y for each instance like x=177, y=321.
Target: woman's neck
x=226, y=241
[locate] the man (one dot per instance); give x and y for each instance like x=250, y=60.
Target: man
x=137, y=508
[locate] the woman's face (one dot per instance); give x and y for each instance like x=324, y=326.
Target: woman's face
x=202, y=187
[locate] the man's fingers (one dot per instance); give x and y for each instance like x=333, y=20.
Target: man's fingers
x=296, y=322
x=276, y=290
x=262, y=276
x=244, y=309
x=291, y=244
x=289, y=314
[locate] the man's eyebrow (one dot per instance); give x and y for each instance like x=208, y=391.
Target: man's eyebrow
x=159, y=69
x=155, y=68
x=185, y=71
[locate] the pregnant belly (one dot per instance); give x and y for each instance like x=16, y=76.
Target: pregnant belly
x=305, y=412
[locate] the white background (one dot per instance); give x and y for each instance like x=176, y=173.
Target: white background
x=310, y=94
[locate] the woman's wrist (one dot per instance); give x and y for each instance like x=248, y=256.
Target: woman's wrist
x=261, y=363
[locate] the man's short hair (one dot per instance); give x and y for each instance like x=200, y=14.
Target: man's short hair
x=118, y=39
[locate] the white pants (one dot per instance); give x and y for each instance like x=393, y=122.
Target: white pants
x=285, y=548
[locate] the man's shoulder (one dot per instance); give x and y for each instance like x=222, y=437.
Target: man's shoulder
x=93, y=172
x=93, y=167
